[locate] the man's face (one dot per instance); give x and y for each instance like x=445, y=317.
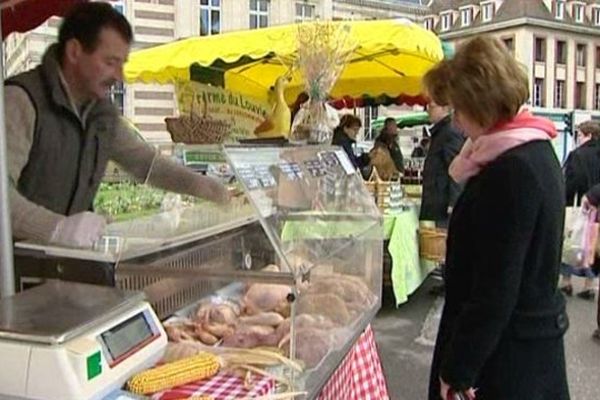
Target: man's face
x=98, y=70
x=391, y=128
x=436, y=112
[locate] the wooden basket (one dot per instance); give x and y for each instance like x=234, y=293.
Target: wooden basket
x=379, y=189
x=197, y=127
x=371, y=183
x=432, y=244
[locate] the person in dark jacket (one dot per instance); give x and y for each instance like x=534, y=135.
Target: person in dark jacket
x=439, y=189
x=388, y=139
x=582, y=171
x=503, y=322
x=344, y=135
x=582, y=168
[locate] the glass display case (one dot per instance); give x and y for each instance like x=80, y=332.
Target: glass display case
x=294, y=262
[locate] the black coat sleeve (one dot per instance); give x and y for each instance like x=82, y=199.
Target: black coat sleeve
x=452, y=147
x=575, y=178
x=503, y=220
x=397, y=157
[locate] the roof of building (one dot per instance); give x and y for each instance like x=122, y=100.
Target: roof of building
x=508, y=10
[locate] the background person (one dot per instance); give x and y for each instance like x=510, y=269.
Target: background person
x=388, y=140
x=582, y=171
x=344, y=135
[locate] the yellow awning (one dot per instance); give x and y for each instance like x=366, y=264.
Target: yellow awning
x=390, y=58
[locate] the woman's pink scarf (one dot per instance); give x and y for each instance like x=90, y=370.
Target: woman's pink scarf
x=475, y=155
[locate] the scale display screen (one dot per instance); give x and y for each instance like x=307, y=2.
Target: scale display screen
x=123, y=338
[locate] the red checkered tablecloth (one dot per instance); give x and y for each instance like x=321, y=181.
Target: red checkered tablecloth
x=360, y=376
x=222, y=386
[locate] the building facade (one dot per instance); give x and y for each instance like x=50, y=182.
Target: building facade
x=558, y=41
x=156, y=22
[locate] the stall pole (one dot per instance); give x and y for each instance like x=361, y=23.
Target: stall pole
x=7, y=272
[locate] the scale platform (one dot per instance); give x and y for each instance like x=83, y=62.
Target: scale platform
x=74, y=307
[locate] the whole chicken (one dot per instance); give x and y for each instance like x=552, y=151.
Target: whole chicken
x=264, y=297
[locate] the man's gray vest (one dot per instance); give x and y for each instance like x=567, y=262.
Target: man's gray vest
x=68, y=156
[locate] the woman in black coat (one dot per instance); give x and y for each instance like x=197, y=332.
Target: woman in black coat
x=344, y=135
x=502, y=327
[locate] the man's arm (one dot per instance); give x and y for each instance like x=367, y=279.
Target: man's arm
x=28, y=220
x=143, y=162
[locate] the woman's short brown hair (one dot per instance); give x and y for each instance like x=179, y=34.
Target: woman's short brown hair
x=483, y=81
x=349, y=120
x=590, y=128
x=436, y=83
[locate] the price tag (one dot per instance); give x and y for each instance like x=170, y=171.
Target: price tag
x=345, y=162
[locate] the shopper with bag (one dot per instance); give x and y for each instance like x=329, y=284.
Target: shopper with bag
x=582, y=171
x=502, y=327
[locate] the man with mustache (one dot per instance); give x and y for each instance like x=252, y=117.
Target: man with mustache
x=62, y=130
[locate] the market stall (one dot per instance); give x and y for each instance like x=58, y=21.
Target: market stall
x=318, y=292
x=223, y=282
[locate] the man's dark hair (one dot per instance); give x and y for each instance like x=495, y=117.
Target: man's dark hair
x=86, y=20
x=390, y=119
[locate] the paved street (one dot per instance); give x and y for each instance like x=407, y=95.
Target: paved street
x=405, y=335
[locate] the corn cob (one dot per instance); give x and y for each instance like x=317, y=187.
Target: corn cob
x=190, y=369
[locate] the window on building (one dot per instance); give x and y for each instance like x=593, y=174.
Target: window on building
x=559, y=94
x=538, y=93
x=305, y=12
x=580, y=55
x=210, y=17
x=466, y=16
x=510, y=44
x=580, y=95
x=446, y=21
x=259, y=13
x=540, y=49
x=596, y=16
x=559, y=9
x=487, y=12
x=597, y=56
x=117, y=96
x=597, y=97
x=578, y=13
x=428, y=23
x=561, y=52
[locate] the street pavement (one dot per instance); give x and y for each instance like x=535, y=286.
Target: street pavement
x=405, y=338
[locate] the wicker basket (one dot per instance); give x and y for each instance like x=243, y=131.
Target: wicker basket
x=197, y=127
x=432, y=244
x=371, y=183
x=379, y=189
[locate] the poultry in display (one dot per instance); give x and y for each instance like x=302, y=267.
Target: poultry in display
x=278, y=122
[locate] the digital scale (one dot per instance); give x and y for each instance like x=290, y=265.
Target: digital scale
x=73, y=341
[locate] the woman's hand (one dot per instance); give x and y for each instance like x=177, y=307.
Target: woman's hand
x=445, y=390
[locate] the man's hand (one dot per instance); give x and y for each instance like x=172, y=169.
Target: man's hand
x=213, y=190
x=79, y=230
